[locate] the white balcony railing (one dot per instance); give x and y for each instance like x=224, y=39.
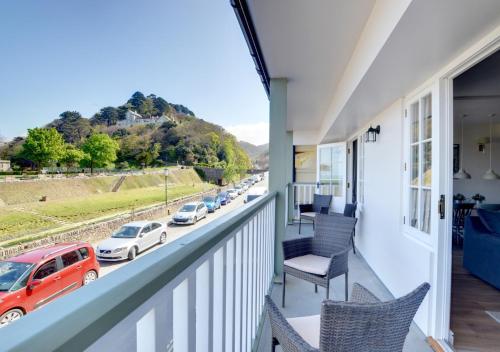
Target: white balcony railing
x=303, y=193
x=203, y=292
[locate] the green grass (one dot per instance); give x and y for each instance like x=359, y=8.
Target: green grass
x=98, y=205
x=16, y=223
x=71, y=202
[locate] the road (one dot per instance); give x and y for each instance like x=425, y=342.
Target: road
x=176, y=231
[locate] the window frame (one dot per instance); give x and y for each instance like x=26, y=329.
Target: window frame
x=58, y=267
x=408, y=143
x=78, y=255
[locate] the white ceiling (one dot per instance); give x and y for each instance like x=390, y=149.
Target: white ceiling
x=310, y=43
x=413, y=53
x=479, y=92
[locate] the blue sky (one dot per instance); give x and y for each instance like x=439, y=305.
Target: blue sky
x=59, y=55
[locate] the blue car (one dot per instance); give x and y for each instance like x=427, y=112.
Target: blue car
x=225, y=198
x=212, y=203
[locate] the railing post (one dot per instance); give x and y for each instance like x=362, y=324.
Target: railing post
x=280, y=161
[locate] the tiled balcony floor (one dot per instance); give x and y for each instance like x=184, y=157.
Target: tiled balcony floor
x=301, y=299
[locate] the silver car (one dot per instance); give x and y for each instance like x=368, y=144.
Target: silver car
x=131, y=239
x=190, y=213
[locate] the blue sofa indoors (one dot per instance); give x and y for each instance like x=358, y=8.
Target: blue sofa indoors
x=482, y=246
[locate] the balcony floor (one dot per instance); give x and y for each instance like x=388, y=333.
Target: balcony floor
x=301, y=299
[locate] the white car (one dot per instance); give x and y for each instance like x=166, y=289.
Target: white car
x=255, y=192
x=190, y=213
x=131, y=239
x=239, y=189
x=232, y=193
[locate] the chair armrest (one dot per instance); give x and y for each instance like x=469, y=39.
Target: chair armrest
x=360, y=294
x=339, y=263
x=282, y=331
x=306, y=208
x=297, y=247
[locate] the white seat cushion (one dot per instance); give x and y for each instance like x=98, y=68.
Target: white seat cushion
x=307, y=328
x=309, y=214
x=309, y=263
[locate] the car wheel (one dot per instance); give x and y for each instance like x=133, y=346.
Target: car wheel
x=163, y=237
x=132, y=253
x=89, y=277
x=10, y=316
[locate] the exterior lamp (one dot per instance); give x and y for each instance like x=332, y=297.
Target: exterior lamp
x=371, y=134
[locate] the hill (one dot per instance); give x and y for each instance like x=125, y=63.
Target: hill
x=259, y=154
x=148, y=131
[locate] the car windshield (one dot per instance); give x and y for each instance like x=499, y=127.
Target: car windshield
x=127, y=232
x=12, y=272
x=188, y=208
x=208, y=199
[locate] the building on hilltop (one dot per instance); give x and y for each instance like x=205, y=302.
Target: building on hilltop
x=4, y=165
x=133, y=118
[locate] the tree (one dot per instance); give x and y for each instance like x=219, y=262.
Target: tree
x=136, y=101
x=106, y=116
x=100, y=150
x=149, y=154
x=72, y=156
x=229, y=157
x=43, y=146
x=72, y=126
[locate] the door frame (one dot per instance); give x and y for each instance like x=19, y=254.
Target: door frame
x=444, y=245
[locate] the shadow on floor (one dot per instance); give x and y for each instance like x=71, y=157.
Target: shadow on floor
x=301, y=299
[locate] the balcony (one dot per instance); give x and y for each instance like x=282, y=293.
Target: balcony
x=302, y=301
x=203, y=292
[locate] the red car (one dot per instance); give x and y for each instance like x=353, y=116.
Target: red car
x=32, y=279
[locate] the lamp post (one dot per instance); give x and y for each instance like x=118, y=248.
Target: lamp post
x=166, y=190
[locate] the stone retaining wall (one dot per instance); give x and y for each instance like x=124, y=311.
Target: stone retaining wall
x=101, y=230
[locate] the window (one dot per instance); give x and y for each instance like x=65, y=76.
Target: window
x=420, y=163
x=84, y=252
x=46, y=269
x=70, y=258
x=332, y=168
x=146, y=229
x=156, y=226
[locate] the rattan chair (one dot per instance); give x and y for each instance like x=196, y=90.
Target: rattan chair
x=350, y=211
x=364, y=324
x=321, y=204
x=324, y=256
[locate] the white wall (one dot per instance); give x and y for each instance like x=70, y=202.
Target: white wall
x=476, y=163
x=401, y=262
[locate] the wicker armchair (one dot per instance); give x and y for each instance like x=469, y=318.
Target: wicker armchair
x=350, y=211
x=321, y=204
x=364, y=324
x=324, y=256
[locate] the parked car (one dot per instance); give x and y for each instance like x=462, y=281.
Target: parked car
x=35, y=278
x=255, y=192
x=245, y=186
x=233, y=193
x=131, y=239
x=239, y=189
x=190, y=213
x=224, y=197
x=212, y=203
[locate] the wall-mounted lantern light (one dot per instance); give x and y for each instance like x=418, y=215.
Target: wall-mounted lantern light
x=371, y=134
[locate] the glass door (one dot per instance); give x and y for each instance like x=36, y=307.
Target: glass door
x=331, y=173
